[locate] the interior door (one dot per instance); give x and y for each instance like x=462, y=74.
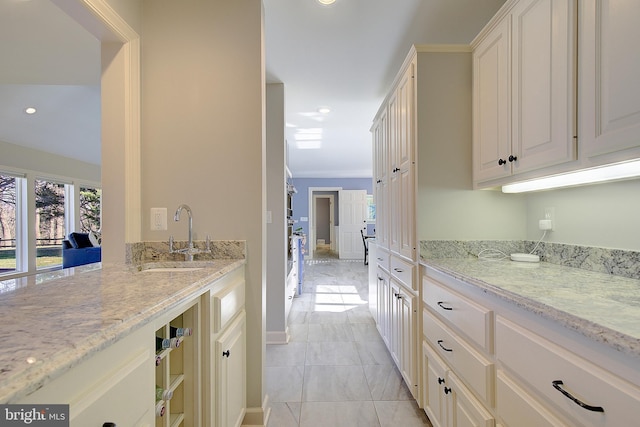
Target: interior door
x=353, y=215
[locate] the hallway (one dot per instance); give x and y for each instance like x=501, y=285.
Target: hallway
x=336, y=371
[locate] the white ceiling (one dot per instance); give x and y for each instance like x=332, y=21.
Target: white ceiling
x=51, y=63
x=342, y=56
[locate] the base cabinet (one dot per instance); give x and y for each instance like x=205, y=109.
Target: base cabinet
x=540, y=374
x=446, y=400
x=198, y=380
x=115, y=385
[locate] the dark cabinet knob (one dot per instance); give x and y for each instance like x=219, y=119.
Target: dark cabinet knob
x=447, y=390
x=513, y=158
x=501, y=162
x=226, y=353
x=440, y=380
x=109, y=425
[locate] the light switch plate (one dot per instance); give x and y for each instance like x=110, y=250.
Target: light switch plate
x=158, y=219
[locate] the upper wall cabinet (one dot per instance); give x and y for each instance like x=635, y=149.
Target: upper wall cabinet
x=609, y=70
x=524, y=94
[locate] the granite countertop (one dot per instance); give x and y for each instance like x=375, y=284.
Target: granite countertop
x=53, y=321
x=602, y=307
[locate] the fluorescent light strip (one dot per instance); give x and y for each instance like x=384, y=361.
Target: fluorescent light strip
x=586, y=176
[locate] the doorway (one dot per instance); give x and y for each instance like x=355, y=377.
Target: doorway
x=324, y=225
x=326, y=195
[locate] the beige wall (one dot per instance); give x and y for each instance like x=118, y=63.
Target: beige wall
x=448, y=207
x=202, y=135
x=276, y=202
x=601, y=215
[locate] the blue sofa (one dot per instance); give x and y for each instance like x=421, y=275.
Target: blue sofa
x=78, y=250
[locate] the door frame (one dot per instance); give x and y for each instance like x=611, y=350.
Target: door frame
x=312, y=228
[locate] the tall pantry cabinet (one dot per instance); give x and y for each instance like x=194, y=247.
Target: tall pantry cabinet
x=417, y=140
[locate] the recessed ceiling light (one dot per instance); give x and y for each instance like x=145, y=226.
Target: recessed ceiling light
x=326, y=1
x=324, y=110
x=30, y=110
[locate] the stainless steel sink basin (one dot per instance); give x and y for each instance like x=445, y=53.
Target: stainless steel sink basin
x=171, y=269
x=174, y=266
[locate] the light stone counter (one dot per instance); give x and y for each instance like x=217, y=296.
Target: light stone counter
x=602, y=307
x=53, y=321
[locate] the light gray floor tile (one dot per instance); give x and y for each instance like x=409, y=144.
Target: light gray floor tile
x=365, y=332
x=291, y=354
x=401, y=413
x=334, y=384
x=374, y=353
x=330, y=332
x=284, y=384
x=284, y=414
x=338, y=414
x=336, y=370
x=386, y=383
x=330, y=314
x=298, y=332
x=332, y=353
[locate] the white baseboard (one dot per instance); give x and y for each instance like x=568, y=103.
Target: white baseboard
x=278, y=337
x=257, y=417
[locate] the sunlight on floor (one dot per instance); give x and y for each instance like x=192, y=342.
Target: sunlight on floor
x=337, y=299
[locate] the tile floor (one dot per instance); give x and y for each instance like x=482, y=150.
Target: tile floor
x=336, y=371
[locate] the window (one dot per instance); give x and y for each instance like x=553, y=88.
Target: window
x=90, y=209
x=36, y=214
x=49, y=222
x=8, y=226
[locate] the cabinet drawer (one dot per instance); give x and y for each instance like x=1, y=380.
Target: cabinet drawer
x=518, y=408
x=403, y=271
x=382, y=258
x=473, y=320
x=520, y=350
x=471, y=366
x=226, y=303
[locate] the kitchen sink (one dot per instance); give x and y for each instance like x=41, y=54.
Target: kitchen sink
x=174, y=266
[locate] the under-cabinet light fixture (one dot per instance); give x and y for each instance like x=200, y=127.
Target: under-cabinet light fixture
x=616, y=171
x=326, y=2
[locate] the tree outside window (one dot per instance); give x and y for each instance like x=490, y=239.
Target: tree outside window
x=90, y=209
x=50, y=222
x=7, y=223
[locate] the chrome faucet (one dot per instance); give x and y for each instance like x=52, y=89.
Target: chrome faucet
x=189, y=251
x=176, y=218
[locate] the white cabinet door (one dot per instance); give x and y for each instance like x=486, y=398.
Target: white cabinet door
x=230, y=359
x=525, y=91
x=544, y=75
x=402, y=168
x=383, y=308
x=395, y=340
x=407, y=329
x=465, y=410
x=609, y=70
x=381, y=176
x=434, y=374
x=491, y=105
